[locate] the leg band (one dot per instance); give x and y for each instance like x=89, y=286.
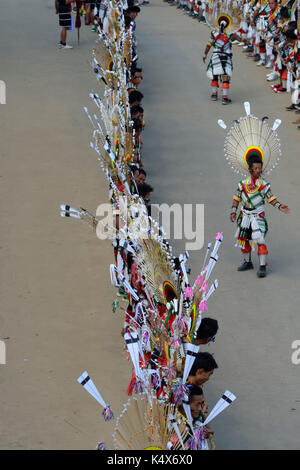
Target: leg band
x=262, y=250
x=247, y=248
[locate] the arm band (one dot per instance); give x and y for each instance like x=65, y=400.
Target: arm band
x=277, y=204
x=233, y=210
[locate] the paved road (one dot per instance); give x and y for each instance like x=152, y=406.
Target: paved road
x=259, y=318
x=56, y=296
x=55, y=288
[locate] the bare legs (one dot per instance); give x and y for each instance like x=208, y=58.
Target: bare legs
x=63, y=36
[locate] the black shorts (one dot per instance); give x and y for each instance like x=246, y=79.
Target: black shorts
x=65, y=20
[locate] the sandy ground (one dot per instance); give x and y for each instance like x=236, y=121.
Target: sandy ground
x=55, y=288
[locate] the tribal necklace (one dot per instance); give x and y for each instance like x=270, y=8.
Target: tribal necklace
x=256, y=189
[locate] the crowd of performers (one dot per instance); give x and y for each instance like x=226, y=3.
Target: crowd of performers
x=165, y=325
x=268, y=32
x=73, y=13
x=165, y=328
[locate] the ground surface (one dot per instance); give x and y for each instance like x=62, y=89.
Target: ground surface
x=55, y=289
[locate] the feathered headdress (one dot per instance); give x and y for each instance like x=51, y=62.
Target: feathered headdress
x=145, y=425
x=223, y=11
x=248, y=137
x=224, y=20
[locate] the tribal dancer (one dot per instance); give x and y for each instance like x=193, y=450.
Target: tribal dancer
x=220, y=65
x=273, y=20
x=245, y=155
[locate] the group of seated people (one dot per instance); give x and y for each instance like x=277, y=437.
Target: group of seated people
x=201, y=371
x=139, y=184
x=204, y=363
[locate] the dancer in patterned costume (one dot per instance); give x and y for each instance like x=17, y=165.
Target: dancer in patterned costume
x=245, y=156
x=252, y=224
x=220, y=65
x=260, y=15
x=273, y=20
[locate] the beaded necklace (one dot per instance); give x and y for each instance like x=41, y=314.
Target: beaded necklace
x=256, y=189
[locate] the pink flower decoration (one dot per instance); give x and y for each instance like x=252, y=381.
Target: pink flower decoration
x=203, y=288
x=202, y=306
x=198, y=280
x=188, y=293
x=219, y=235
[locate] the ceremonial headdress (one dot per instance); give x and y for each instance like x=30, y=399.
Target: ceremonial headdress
x=223, y=12
x=251, y=137
x=225, y=20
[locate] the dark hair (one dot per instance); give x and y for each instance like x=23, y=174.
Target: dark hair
x=204, y=360
x=136, y=109
x=137, y=125
x=135, y=96
x=290, y=34
x=254, y=159
x=136, y=69
x=144, y=189
x=207, y=329
x=284, y=12
x=127, y=21
x=142, y=171
x=134, y=8
x=194, y=390
x=133, y=169
x=223, y=23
